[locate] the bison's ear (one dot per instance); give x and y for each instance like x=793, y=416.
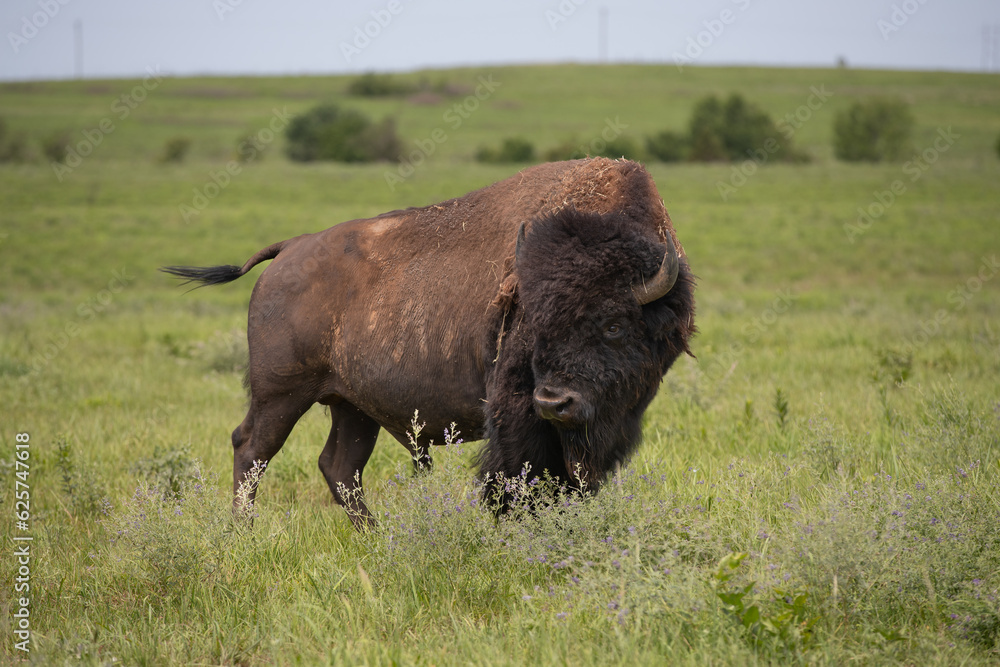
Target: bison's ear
x=671, y=319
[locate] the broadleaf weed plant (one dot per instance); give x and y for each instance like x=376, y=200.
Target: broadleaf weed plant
x=81, y=485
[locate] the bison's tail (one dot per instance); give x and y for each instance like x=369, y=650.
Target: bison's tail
x=206, y=275
x=220, y=275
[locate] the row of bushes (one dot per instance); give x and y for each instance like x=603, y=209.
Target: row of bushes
x=734, y=129
x=874, y=130
x=719, y=130
x=58, y=147
x=517, y=149
x=384, y=85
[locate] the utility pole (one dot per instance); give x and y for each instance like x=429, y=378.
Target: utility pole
x=991, y=48
x=78, y=43
x=602, y=34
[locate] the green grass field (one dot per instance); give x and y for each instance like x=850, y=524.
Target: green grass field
x=818, y=486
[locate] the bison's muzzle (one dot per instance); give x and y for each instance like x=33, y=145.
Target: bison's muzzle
x=564, y=406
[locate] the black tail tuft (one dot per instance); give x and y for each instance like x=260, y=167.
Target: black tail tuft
x=206, y=275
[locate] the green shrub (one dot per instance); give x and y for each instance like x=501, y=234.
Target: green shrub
x=745, y=127
x=250, y=148
x=997, y=146
x=705, y=130
x=380, y=140
x=327, y=132
x=572, y=150
x=13, y=147
x=56, y=146
x=619, y=147
x=377, y=85
x=667, y=146
x=83, y=490
x=487, y=154
x=873, y=130
x=167, y=471
x=734, y=130
x=175, y=150
x=512, y=149
x=567, y=150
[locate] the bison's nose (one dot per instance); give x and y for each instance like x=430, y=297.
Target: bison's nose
x=561, y=405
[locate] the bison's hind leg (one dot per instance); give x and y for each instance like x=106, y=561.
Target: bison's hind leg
x=260, y=436
x=348, y=448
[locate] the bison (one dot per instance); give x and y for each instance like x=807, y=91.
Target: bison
x=539, y=313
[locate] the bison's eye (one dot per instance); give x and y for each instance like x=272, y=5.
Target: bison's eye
x=613, y=331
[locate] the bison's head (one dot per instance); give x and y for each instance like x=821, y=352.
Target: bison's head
x=604, y=306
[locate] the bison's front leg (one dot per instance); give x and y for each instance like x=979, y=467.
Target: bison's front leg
x=348, y=448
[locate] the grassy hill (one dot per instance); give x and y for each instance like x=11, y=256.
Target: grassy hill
x=839, y=425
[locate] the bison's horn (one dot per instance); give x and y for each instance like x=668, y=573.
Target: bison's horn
x=657, y=286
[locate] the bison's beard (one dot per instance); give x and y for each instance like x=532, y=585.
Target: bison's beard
x=595, y=450
x=521, y=445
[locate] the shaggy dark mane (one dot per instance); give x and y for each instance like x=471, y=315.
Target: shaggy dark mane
x=575, y=271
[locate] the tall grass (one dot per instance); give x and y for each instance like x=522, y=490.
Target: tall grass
x=760, y=559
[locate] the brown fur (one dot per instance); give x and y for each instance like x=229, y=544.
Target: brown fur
x=408, y=311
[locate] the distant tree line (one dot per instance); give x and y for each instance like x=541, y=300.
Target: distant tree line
x=727, y=129
x=734, y=129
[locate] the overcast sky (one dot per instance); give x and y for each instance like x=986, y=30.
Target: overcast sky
x=121, y=38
